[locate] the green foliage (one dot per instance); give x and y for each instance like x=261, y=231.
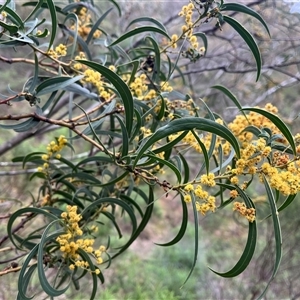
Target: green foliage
x=121, y=101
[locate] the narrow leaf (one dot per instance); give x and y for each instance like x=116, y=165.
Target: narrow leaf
x=279, y=124
x=248, y=252
x=183, y=226
x=231, y=96
x=246, y=10
x=52, y=9
x=277, y=232
x=57, y=83
x=137, y=31
x=122, y=89
x=248, y=38
x=179, y=125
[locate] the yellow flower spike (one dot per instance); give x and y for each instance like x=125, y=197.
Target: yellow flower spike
x=234, y=194
x=99, y=260
x=187, y=198
x=174, y=37
x=190, y=6
x=189, y=187
x=102, y=248
x=193, y=39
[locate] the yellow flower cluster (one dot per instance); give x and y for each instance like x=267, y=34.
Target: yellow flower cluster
x=165, y=87
x=187, y=12
x=248, y=213
x=52, y=53
x=78, y=66
x=173, y=42
x=283, y=178
x=187, y=29
x=251, y=155
x=53, y=150
x=70, y=243
x=138, y=87
x=46, y=200
x=204, y=202
x=146, y=131
x=238, y=125
x=85, y=24
x=208, y=180
x=94, y=77
x=60, y=50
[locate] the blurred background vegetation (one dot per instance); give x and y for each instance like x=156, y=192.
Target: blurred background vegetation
x=148, y=271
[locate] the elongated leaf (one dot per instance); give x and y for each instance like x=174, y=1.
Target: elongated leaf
x=279, y=124
x=137, y=31
x=52, y=9
x=92, y=129
x=125, y=140
x=47, y=287
x=287, y=202
x=16, y=126
x=167, y=163
x=116, y=201
x=156, y=71
x=196, y=235
x=248, y=252
x=230, y=96
x=27, y=125
x=144, y=222
x=19, y=213
x=277, y=232
x=2, y=7
x=43, y=5
x=253, y=129
x=148, y=19
x=74, y=19
x=95, y=125
x=25, y=282
x=96, y=25
x=78, y=89
x=122, y=89
x=37, y=4
x=99, y=159
x=24, y=277
x=186, y=168
x=183, y=226
x=115, y=3
x=179, y=125
x=132, y=202
x=57, y=83
x=87, y=258
x=204, y=152
x=34, y=80
x=14, y=17
x=247, y=37
x=246, y=10
x=11, y=28
x=112, y=218
x=24, y=126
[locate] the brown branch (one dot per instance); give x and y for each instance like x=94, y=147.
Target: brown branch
x=12, y=268
x=18, y=227
x=7, y=100
x=44, y=66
